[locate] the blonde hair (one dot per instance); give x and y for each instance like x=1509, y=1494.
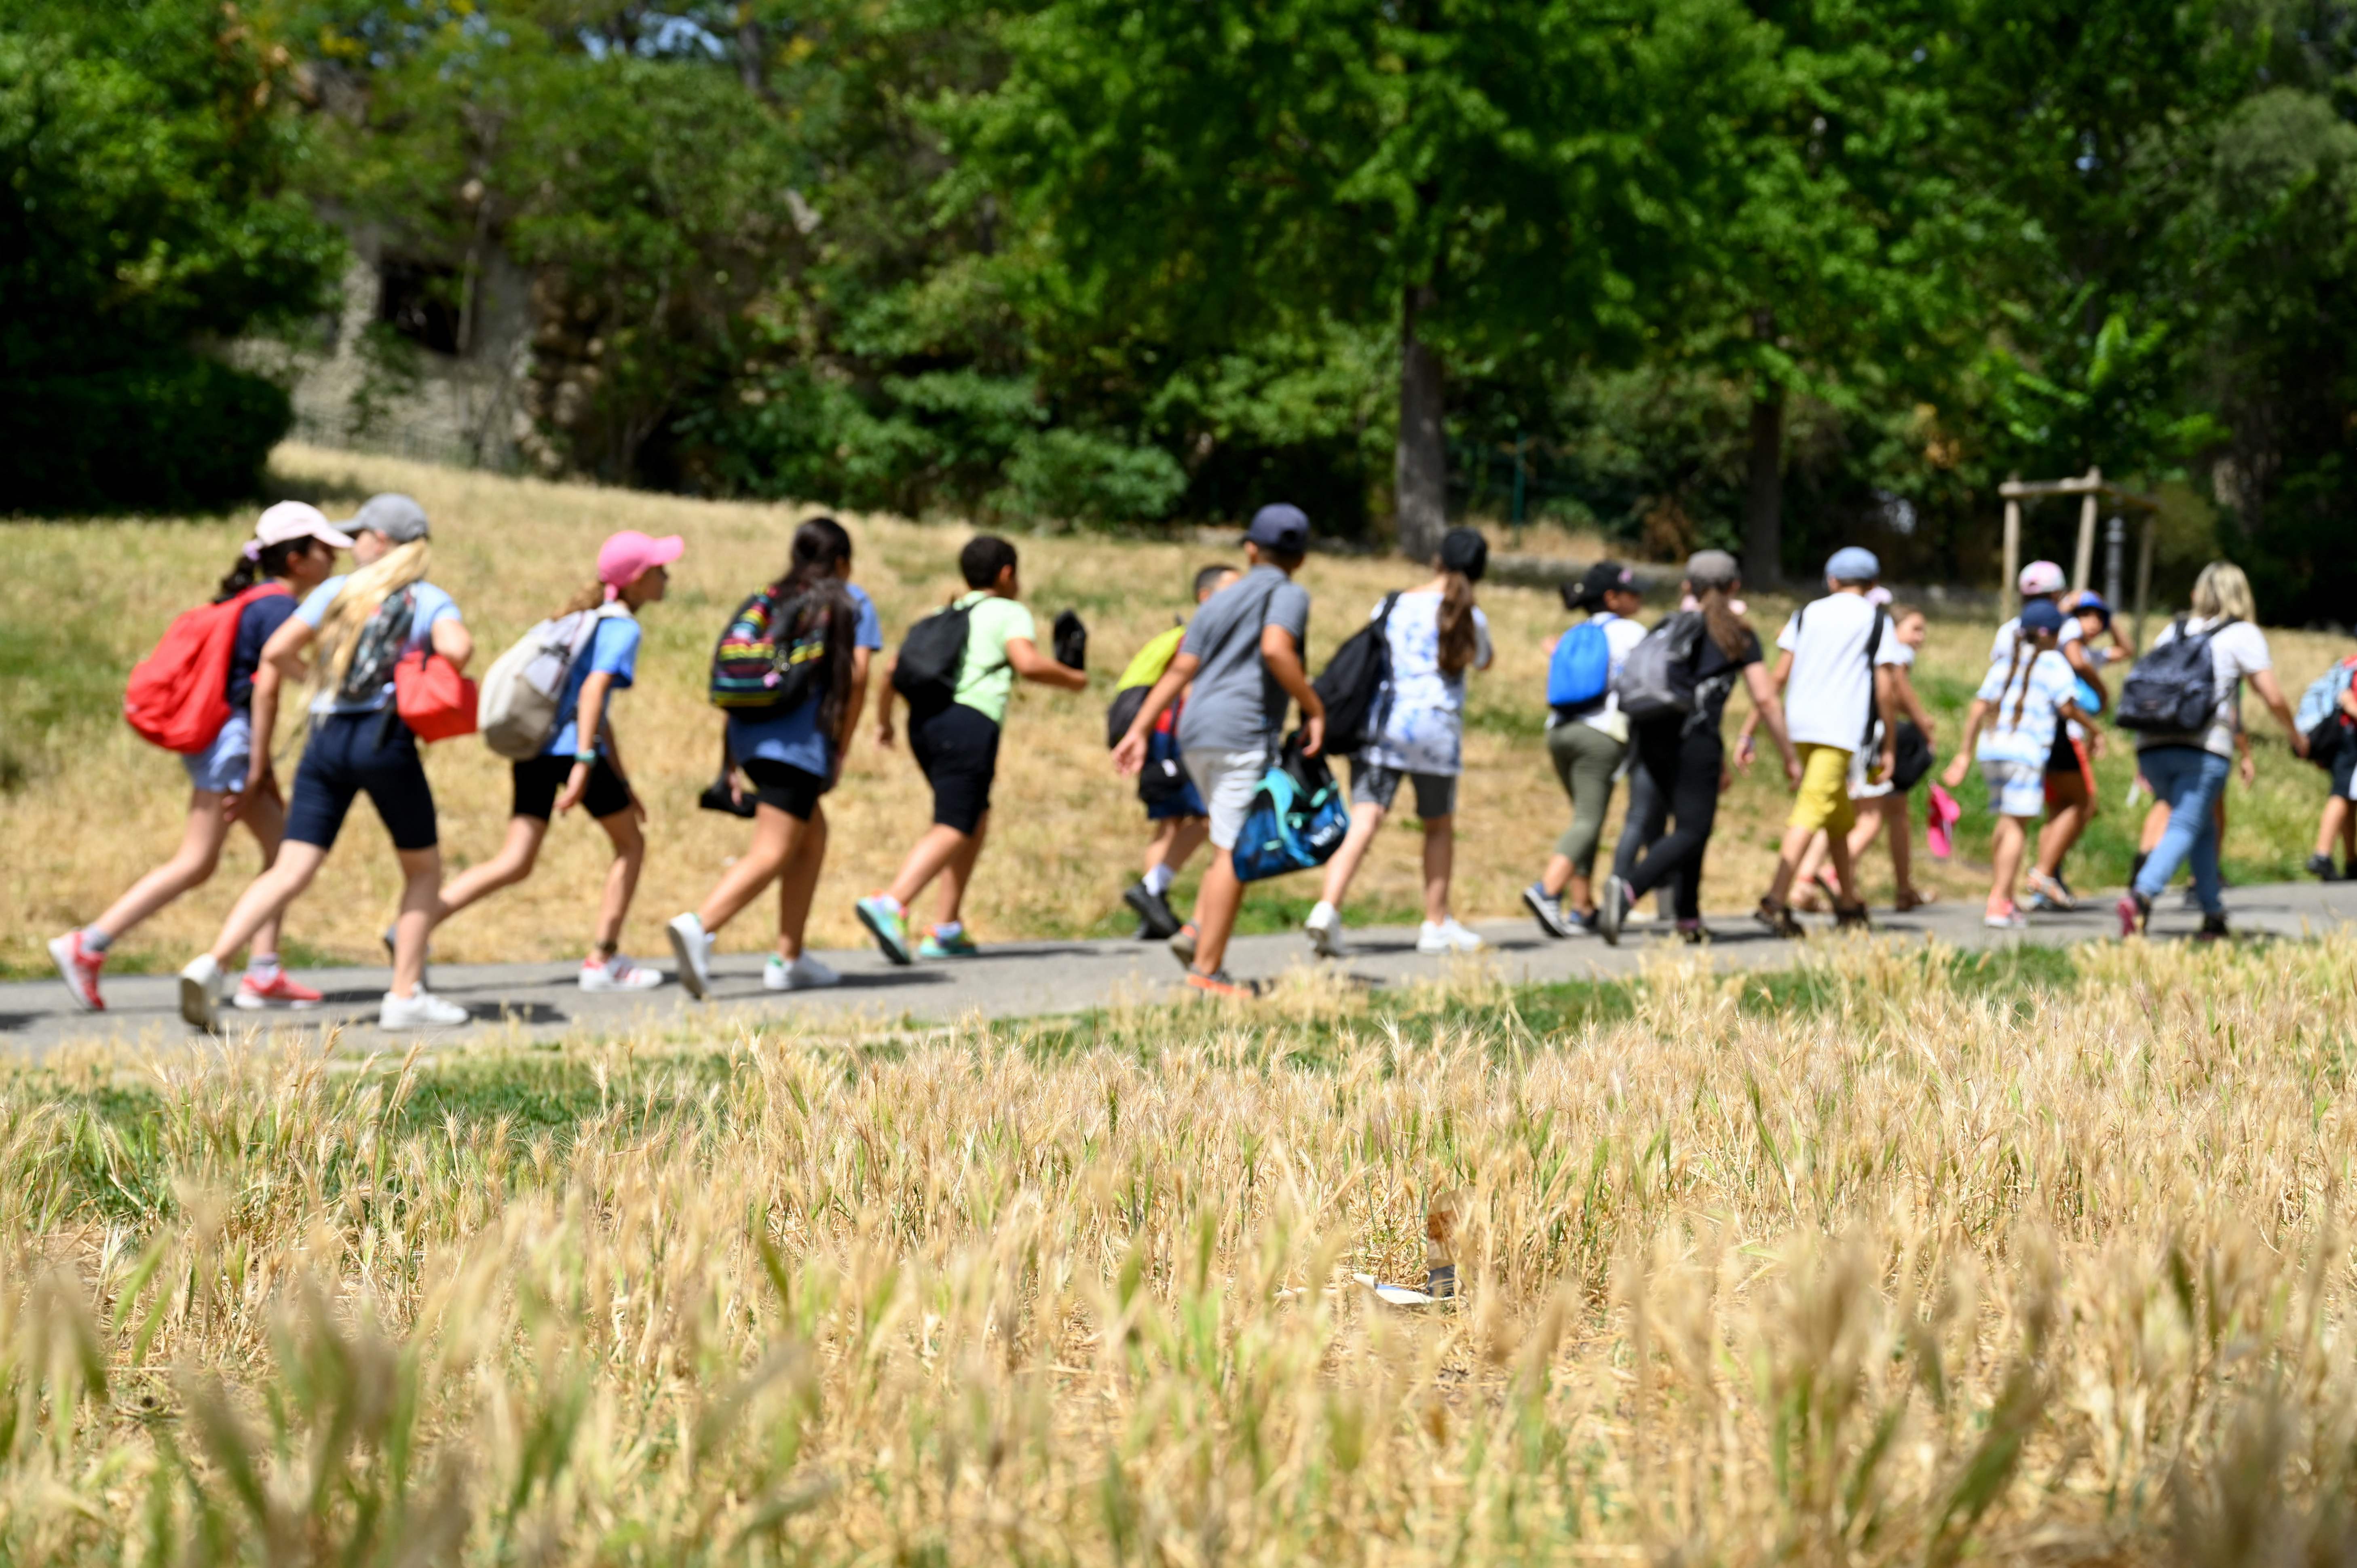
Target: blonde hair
x=2221, y=591
x=363, y=593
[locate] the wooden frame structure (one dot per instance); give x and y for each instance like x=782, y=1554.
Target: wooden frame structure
x=2092, y=487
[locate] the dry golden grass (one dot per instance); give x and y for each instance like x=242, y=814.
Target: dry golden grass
x=1923, y=1273
x=95, y=806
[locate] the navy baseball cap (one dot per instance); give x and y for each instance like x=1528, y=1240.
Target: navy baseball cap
x=1280, y=527
x=2093, y=604
x=2041, y=615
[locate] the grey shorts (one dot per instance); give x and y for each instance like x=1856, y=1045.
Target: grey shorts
x=1227, y=780
x=1372, y=784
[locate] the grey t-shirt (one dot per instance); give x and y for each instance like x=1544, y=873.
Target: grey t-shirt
x=1236, y=704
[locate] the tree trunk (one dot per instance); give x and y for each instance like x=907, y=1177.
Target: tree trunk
x=1420, y=459
x=1763, y=502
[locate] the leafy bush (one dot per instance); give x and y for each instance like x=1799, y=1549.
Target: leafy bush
x=143, y=213
x=1078, y=475
x=179, y=435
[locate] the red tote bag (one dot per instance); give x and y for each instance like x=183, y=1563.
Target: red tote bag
x=433, y=699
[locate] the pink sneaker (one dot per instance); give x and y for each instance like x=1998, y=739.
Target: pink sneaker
x=281, y=992
x=79, y=967
x=1939, y=827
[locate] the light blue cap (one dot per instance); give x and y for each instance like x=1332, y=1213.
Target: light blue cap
x=1853, y=563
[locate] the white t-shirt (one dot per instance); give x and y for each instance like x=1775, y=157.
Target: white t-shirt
x=2001, y=650
x=2237, y=650
x=2026, y=707
x=1830, y=695
x=1424, y=727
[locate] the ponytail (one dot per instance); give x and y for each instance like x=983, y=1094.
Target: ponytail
x=363, y=593
x=1725, y=627
x=2019, y=638
x=588, y=599
x=820, y=546
x=1460, y=638
x=259, y=563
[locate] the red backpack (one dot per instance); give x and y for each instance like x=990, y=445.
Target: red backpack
x=178, y=695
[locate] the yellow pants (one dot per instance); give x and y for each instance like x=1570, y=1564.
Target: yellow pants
x=1824, y=801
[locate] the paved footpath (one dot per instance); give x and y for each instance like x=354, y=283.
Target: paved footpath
x=540, y=1001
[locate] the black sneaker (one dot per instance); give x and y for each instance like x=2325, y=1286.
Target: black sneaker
x=2213, y=929
x=1851, y=918
x=1152, y=908
x=1694, y=933
x=1611, y=909
x=1778, y=918
x=2320, y=866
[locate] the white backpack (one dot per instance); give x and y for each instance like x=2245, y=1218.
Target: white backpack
x=517, y=708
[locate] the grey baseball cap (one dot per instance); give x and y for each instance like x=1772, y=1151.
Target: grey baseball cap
x=395, y=516
x=1280, y=527
x=1711, y=569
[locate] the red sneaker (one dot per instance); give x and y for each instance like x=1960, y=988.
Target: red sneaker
x=79, y=967
x=281, y=992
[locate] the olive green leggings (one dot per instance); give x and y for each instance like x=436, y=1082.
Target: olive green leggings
x=1585, y=759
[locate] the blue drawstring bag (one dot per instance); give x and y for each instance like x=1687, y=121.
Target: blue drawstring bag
x=1297, y=819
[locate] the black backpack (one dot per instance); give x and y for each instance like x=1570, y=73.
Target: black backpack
x=2173, y=690
x=1355, y=682
x=925, y=672
x=378, y=647
x=1657, y=680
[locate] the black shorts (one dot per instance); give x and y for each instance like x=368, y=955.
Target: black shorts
x=540, y=779
x=958, y=749
x=782, y=786
x=2061, y=756
x=351, y=752
x=2344, y=767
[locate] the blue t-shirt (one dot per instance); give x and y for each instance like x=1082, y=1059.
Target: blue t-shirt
x=430, y=605
x=794, y=737
x=613, y=648
x=255, y=623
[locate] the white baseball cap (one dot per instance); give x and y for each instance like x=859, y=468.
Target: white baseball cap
x=298, y=520
x=2041, y=578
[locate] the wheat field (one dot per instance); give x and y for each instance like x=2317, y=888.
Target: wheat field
x=1896, y=1259
x=86, y=807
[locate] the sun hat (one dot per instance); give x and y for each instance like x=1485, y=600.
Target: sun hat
x=394, y=515
x=1463, y=550
x=630, y=555
x=2040, y=577
x=1712, y=569
x=2093, y=603
x=297, y=520
x=1280, y=527
x=1604, y=577
x=1853, y=563
x=2041, y=615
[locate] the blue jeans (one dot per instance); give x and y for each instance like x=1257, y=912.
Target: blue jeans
x=2191, y=780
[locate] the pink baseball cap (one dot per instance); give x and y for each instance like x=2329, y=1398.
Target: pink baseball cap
x=630, y=555
x=2041, y=578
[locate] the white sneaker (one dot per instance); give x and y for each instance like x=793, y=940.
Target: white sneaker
x=1447, y=937
x=805, y=974
x=201, y=988
x=418, y=1010
x=619, y=973
x=1325, y=928
x=694, y=951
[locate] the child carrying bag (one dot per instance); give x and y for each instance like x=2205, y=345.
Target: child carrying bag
x=433, y=699
x=1297, y=818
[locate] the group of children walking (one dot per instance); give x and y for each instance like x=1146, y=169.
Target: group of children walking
x=378, y=654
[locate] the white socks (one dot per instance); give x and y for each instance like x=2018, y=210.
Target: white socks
x=1158, y=880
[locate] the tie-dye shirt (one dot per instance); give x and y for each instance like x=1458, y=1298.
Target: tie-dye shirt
x=1423, y=715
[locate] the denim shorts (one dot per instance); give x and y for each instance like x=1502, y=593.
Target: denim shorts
x=221, y=766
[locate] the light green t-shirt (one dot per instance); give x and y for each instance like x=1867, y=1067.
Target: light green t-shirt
x=985, y=680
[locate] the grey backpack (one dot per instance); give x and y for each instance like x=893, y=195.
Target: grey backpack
x=1658, y=679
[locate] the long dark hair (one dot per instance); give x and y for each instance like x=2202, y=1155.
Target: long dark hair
x=267, y=560
x=813, y=585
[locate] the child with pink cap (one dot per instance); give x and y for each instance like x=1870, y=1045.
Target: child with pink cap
x=582, y=763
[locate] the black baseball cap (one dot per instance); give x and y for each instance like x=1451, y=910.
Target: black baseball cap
x=1464, y=551
x=1280, y=527
x=1600, y=579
